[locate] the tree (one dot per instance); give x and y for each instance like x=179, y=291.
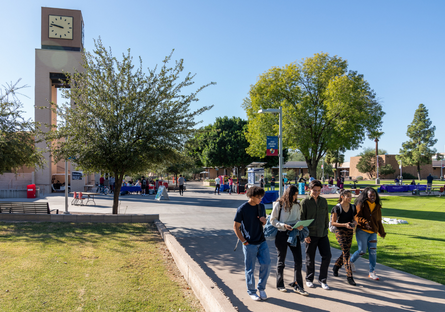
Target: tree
x=367, y=161
x=223, y=144
x=335, y=157
x=296, y=156
x=418, y=150
x=179, y=163
x=17, y=135
x=325, y=107
x=124, y=120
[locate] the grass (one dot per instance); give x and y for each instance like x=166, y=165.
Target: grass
x=89, y=267
x=418, y=247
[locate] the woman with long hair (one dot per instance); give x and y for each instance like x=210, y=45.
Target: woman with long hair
x=369, y=223
x=342, y=217
x=285, y=213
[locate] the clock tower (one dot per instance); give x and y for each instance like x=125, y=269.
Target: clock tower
x=61, y=51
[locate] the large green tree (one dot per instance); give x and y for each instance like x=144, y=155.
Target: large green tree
x=124, y=120
x=223, y=144
x=325, y=107
x=17, y=135
x=418, y=150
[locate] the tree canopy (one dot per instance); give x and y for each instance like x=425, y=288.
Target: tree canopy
x=124, y=120
x=418, y=150
x=325, y=107
x=17, y=135
x=223, y=144
x=367, y=162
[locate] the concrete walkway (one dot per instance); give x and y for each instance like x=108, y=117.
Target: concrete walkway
x=202, y=222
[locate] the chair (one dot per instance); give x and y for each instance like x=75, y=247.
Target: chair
x=75, y=199
x=81, y=198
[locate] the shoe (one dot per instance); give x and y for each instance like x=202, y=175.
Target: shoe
x=352, y=265
x=310, y=284
x=373, y=276
x=263, y=295
x=335, y=270
x=324, y=286
x=300, y=291
x=282, y=289
x=255, y=297
x=351, y=281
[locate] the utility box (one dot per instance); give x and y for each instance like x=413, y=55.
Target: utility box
x=31, y=191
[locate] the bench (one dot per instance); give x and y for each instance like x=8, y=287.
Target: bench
x=26, y=207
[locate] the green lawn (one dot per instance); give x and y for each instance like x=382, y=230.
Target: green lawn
x=89, y=267
x=417, y=247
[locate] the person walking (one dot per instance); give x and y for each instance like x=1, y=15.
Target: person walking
x=316, y=207
x=342, y=217
x=217, y=185
x=248, y=226
x=143, y=186
x=285, y=214
x=429, y=183
x=262, y=181
x=230, y=185
x=369, y=223
x=181, y=182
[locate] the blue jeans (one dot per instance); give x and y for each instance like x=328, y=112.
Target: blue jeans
x=272, y=187
x=251, y=253
x=365, y=241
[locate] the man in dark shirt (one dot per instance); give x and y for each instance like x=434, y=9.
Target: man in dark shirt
x=248, y=227
x=316, y=207
x=272, y=184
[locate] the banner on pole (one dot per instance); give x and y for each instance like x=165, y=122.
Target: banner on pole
x=272, y=146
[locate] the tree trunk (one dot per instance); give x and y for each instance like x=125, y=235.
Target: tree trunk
x=117, y=190
x=312, y=169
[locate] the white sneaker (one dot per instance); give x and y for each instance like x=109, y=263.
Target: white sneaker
x=373, y=276
x=324, y=286
x=255, y=297
x=310, y=284
x=263, y=295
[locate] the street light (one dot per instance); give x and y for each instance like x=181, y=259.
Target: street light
x=280, y=143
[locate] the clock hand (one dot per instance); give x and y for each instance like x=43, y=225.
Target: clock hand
x=57, y=25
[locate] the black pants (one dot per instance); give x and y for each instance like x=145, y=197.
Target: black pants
x=281, y=244
x=181, y=189
x=322, y=243
x=217, y=186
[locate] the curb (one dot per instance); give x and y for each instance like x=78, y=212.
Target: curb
x=208, y=293
x=130, y=218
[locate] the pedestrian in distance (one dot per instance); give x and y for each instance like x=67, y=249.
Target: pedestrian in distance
x=143, y=186
x=272, y=184
x=429, y=182
x=342, y=217
x=230, y=185
x=248, y=226
x=285, y=214
x=369, y=223
x=217, y=185
x=316, y=207
x=181, y=182
x=262, y=181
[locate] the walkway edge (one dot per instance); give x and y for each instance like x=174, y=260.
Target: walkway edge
x=208, y=293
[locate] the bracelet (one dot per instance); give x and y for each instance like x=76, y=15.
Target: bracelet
x=244, y=243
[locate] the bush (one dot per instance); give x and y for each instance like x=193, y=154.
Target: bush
x=408, y=176
x=359, y=178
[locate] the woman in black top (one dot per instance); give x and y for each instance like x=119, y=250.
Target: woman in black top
x=342, y=217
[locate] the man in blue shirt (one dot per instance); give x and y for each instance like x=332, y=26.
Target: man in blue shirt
x=248, y=226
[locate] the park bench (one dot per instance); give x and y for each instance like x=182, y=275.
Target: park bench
x=26, y=207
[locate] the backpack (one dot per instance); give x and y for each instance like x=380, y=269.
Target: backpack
x=332, y=228
x=260, y=209
x=270, y=232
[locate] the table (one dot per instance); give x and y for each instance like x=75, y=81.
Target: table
x=90, y=197
x=270, y=197
x=402, y=188
x=131, y=189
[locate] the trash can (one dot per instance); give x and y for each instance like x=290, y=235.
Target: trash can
x=415, y=192
x=31, y=191
x=301, y=188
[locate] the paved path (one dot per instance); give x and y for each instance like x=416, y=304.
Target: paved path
x=202, y=222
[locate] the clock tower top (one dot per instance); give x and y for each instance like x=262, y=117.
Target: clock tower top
x=62, y=29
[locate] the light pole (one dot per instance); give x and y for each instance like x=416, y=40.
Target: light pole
x=280, y=143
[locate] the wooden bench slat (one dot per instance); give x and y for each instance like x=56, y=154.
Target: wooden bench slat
x=26, y=207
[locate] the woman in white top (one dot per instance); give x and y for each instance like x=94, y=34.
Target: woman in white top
x=290, y=214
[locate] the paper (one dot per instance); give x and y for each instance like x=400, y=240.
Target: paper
x=303, y=223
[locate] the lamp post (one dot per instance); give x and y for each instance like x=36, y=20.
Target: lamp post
x=280, y=143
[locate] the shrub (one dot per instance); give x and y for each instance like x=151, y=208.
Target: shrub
x=408, y=176
x=359, y=178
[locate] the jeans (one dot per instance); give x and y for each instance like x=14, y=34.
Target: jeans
x=217, y=186
x=325, y=251
x=181, y=189
x=365, y=241
x=251, y=253
x=281, y=244
x=272, y=187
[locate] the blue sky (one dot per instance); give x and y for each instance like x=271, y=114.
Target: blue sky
x=397, y=45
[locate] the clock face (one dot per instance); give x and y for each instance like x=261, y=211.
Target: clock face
x=60, y=27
